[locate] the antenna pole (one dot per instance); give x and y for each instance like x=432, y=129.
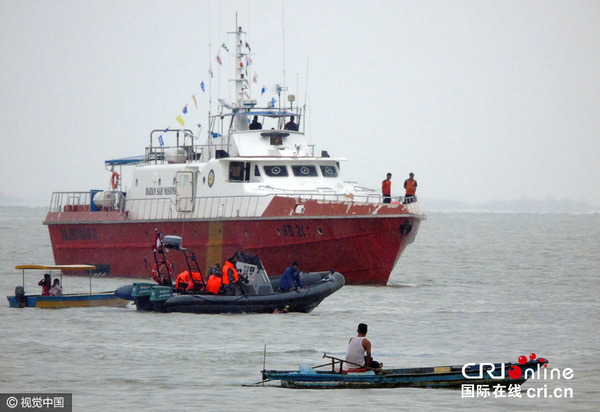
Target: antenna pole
x=283, y=40
x=264, y=361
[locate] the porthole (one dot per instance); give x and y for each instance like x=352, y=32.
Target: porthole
x=328, y=171
x=159, y=181
x=320, y=231
x=277, y=171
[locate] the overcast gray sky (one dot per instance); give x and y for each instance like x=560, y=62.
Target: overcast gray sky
x=481, y=99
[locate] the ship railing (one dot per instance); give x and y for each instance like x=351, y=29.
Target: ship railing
x=83, y=202
x=199, y=207
x=228, y=206
x=196, y=208
x=70, y=201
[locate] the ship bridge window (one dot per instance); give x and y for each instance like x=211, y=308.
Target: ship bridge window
x=276, y=171
x=239, y=171
x=329, y=171
x=304, y=171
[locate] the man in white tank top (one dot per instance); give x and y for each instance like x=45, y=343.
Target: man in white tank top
x=357, y=347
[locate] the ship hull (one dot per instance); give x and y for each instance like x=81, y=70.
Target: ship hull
x=364, y=249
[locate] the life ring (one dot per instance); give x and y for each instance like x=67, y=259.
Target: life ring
x=114, y=180
x=156, y=275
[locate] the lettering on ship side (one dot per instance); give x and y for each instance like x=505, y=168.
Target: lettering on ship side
x=77, y=233
x=160, y=191
x=295, y=230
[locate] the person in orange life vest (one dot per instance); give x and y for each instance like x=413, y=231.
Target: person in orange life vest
x=195, y=282
x=410, y=185
x=359, y=351
x=46, y=284
x=182, y=281
x=230, y=276
x=386, y=189
x=214, y=282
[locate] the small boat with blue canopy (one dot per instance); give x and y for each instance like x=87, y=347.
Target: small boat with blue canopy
x=70, y=300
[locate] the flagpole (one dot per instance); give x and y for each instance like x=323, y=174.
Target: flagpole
x=283, y=40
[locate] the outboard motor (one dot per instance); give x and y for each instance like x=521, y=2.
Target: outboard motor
x=20, y=296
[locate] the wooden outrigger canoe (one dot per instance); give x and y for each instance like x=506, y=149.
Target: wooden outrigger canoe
x=449, y=377
x=70, y=300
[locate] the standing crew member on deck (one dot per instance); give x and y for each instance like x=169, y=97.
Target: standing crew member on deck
x=410, y=185
x=386, y=189
x=359, y=351
x=230, y=276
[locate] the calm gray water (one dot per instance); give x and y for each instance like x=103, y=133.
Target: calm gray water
x=472, y=288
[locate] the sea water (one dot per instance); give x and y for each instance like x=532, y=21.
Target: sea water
x=472, y=288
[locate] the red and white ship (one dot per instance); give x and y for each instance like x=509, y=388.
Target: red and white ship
x=259, y=190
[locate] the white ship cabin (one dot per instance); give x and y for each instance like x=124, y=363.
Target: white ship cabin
x=238, y=169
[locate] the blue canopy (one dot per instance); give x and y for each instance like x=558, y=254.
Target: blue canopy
x=125, y=161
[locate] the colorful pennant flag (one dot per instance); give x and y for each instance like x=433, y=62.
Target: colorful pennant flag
x=180, y=120
x=225, y=47
x=263, y=90
x=202, y=85
x=194, y=96
x=185, y=109
x=255, y=78
x=160, y=140
x=219, y=60
x=248, y=46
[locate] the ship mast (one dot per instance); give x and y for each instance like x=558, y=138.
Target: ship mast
x=242, y=84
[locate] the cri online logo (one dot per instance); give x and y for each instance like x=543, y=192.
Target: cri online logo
x=514, y=372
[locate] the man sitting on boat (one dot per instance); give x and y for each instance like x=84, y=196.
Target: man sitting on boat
x=56, y=288
x=358, y=354
x=214, y=282
x=230, y=276
x=185, y=282
x=291, y=279
x=46, y=284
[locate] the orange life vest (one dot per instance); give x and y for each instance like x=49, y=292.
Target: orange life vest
x=195, y=282
x=228, y=265
x=183, y=280
x=410, y=187
x=213, y=285
x=386, y=187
